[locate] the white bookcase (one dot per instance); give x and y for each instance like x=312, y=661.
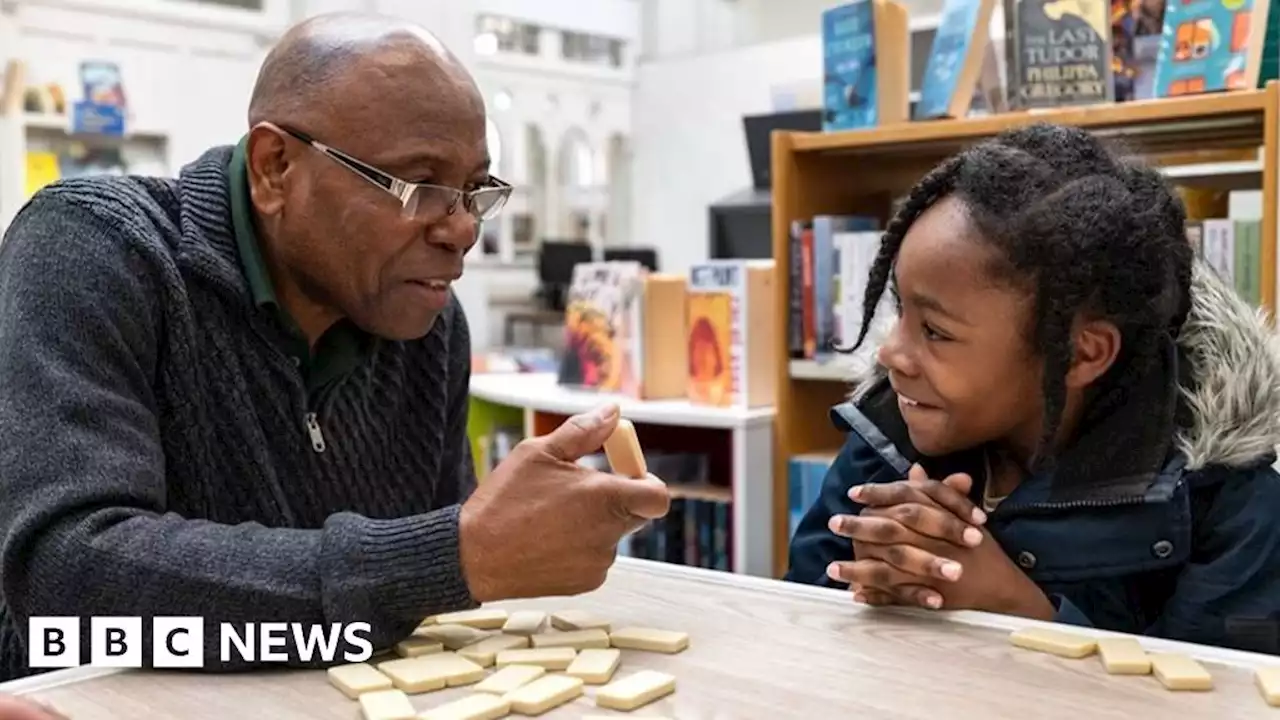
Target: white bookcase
x=751, y=435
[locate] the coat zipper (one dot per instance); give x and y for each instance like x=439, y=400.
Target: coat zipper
x=317, y=436
x=1003, y=511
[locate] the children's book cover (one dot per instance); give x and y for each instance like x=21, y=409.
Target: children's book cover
x=1063, y=53
x=1136, y=29
x=1207, y=46
x=716, y=347
x=963, y=32
x=602, y=328
x=849, y=74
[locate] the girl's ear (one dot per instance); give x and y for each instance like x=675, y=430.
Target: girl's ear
x=1097, y=344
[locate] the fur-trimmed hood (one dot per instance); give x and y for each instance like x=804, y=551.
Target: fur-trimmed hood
x=1233, y=399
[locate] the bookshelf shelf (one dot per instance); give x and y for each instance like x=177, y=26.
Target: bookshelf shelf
x=748, y=452
x=1244, y=175
x=40, y=122
x=817, y=370
x=1175, y=124
x=861, y=172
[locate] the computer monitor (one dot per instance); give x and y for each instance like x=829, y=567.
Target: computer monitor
x=759, y=130
x=556, y=260
x=647, y=257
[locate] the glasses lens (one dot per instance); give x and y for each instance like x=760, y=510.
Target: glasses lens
x=488, y=202
x=430, y=203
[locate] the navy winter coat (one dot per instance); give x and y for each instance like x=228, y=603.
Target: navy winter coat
x=1163, y=519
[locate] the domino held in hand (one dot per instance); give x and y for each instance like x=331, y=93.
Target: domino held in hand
x=623, y=450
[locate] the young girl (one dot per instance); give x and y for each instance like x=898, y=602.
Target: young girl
x=1072, y=418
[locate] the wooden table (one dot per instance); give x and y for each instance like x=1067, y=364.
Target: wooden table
x=758, y=649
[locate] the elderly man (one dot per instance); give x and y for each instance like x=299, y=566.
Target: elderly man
x=242, y=394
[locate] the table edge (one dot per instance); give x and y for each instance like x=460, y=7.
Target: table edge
x=836, y=598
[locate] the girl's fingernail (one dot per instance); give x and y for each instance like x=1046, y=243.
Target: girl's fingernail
x=833, y=571
x=972, y=537
x=950, y=570
x=855, y=492
x=979, y=517
x=860, y=598
x=933, y=601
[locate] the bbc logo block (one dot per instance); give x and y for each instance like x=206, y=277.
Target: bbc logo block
x=53, y=642
x=117, y=642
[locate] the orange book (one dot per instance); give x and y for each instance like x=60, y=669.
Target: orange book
x=731, y=323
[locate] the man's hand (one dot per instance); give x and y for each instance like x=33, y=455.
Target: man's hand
x=17, y=708
x=540, y=525
x=917, y=543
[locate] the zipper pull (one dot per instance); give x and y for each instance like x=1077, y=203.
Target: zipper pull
x=313, y=429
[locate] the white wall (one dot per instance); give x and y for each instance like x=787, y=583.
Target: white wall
x=689, y=147
x=681, y=28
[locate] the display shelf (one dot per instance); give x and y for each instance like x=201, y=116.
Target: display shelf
x=48, y=122
x=540, y=391
x=861, y=172
x=740, y=443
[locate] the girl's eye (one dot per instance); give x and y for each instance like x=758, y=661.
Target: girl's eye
x=930, y=333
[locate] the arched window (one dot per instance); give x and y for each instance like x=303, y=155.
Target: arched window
x=577, y=162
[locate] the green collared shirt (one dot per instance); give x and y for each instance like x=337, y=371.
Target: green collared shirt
x=340, y=349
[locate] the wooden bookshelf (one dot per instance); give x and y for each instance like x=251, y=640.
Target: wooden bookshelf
x=860, y=172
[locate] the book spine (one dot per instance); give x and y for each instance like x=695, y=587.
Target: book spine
x=806, y=281
x=795, y=495
x=1013, y=66
x=823, y=273
x=795, y=291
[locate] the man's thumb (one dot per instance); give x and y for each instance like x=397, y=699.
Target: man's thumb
x=582, y=434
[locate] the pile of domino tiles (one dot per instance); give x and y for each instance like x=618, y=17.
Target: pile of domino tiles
x=524, y=662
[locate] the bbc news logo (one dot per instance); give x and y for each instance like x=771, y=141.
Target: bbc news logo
x=179, y=642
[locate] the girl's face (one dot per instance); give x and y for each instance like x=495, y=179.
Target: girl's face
x=958, y=358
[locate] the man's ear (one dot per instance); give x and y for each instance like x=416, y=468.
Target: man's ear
x=1096, y=347
x=266, y=159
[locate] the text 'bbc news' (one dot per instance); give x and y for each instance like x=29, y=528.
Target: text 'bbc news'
x=179, y=642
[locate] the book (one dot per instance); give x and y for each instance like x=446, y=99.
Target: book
x=1220, y=248
x=956, y=60
x=1136, y=29
x=795, y=288
x=866, y=49
x=1247, y=262
x=1059, y=53
x=731, y=328
x=663, y=350
x=603, y=329
x=826, y=274
x=805, y=474
x=1211, y=46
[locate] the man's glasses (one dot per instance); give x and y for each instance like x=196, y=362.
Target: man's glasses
x=419, y=200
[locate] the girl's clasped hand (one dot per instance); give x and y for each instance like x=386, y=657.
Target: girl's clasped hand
x=922, y=542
